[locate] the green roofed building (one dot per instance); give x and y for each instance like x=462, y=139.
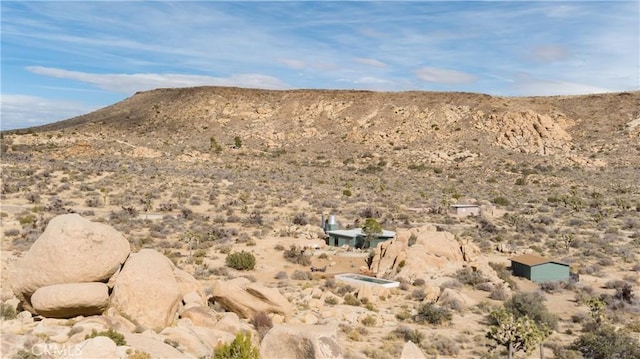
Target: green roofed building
x=539, y=269
x=355, y=238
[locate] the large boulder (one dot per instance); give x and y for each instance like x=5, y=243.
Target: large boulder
x=301, y=341
x=246, y=299
x=72, y=249
x=389, y=254
x=70, y=300
x=146, y=290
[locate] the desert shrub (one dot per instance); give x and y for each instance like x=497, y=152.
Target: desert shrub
x=262, y=323
x=300, y=275
x=7, y=311
x=407, y=334
x=323, y=256
x=531, y=304
x=606, y=342
x=432, y=314
x=300, y=219
x=498, y=293
x=12, y=232
x=412, y=239
x=444, y=345
x=117, y=337
x=369, y=321
x=281, y=275
x=552, y=287
x=501, y=201
x=330, y=283
x=484, y=286
x=351, y=299
x=419, y=282
x=239, y=348
x=344, y=289
x=241, y=260
x=418, y=294
x=296, y=255
x=471, y=277
x=25, y=354
x=452, y=284
x=279, y=247
x=331, y=300
x=137, y=354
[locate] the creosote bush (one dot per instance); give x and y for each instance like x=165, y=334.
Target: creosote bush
x=296, y=255
x=117, y=337
x=241, y=260
x=262, y=322
x=239, y=348
x=432, y=314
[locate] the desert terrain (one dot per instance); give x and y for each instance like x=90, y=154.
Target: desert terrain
x=197, y=174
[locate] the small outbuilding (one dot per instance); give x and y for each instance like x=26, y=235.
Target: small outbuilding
x=356, y=238
x=539, y=269
x=464, y=210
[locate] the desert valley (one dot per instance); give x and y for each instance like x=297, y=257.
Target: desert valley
x=188, y=223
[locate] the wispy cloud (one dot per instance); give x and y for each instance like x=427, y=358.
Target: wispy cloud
x=370, y=62
x=128, y=84
x=444, y=76
x=20, y=111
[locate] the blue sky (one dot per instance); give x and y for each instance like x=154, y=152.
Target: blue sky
x=61, y=59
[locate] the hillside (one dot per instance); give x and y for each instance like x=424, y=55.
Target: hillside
x=257, y=170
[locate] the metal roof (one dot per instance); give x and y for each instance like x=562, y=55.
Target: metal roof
x=533, y=260
x=357, y=232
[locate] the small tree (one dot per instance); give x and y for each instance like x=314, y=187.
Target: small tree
x=516, y=333
x=371, y=230
x=237, y=142
x=214, y=146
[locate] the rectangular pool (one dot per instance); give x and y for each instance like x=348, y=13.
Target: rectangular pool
x=363, y=279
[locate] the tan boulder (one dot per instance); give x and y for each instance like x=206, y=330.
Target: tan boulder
x=189, y=286
x=155, y=346
x=70, y=300
x=389, y=254
x=246, y=299
x=99, y=347
x=72, y=249
x=188, y=341
x=301, y=341
x=200, y=316
x=146, y=290
x=411, y=351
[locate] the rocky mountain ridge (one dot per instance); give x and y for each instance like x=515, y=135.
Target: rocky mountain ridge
x=421, y=127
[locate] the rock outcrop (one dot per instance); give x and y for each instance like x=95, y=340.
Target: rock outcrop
x=72, y=249
x=301, y=341
x=246, y=299
x=146, y=290
x=529, y=132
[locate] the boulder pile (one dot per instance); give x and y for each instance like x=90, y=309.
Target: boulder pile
x=81, y=276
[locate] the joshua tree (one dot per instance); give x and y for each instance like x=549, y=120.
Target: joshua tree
x=516, y=333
